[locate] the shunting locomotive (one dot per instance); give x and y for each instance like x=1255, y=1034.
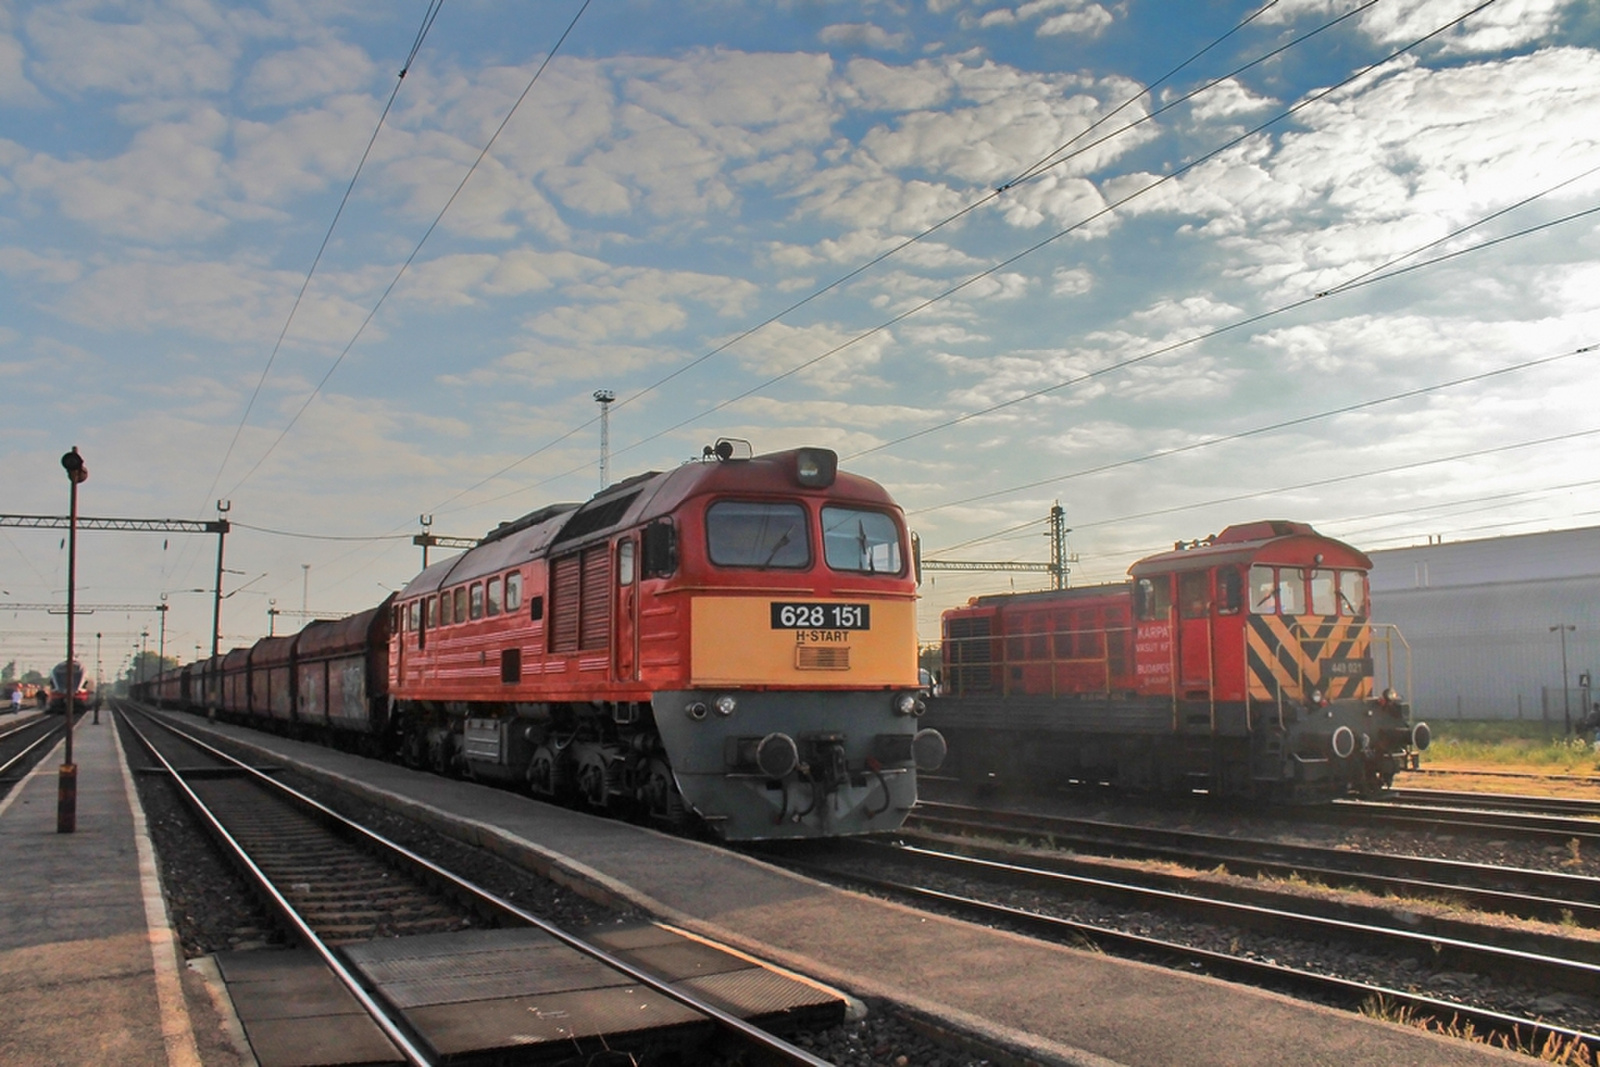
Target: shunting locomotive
x=1239, y=665
x=732, y=641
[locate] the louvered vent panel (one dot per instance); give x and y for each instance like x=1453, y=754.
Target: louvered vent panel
x=566, y=585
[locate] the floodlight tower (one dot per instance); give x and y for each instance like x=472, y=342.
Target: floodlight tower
x=604, y=398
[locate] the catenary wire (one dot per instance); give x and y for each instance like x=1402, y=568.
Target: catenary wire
x=1271, y=427
x=431, y=14
x=1008, y=261
x=584, y=6
x=1046, y=162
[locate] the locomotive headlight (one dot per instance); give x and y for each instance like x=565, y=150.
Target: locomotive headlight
x=725, y=704
x=1390, y=696
x=905, y=704
x=696, y=710
x=1316, y=698
x=815, y=468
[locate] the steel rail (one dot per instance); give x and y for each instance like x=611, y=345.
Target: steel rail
x=1573, y=975
x=1388, y=915
x=1549, y=895
x=1367, y=812
x=49, y=735
x=754, y=1034
x=1593, y=779
x=1572, y=806
x=1270, y=975
x=286, y=912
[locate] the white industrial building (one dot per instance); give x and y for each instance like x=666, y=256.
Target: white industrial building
x=1486, y=621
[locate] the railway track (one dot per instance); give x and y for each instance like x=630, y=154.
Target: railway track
x=1549, y=896
x=1575, y=807
x=23, y=744
x=336, y=886
x=1218, y=932
x=1473, y=813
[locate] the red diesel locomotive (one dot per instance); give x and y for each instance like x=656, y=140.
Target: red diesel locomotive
x=734, y=640
x=1240, y=665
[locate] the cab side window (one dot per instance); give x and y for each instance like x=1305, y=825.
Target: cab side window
x=491, y=592
x=1230, y=591
x=1153, y=597
x=1194, y=588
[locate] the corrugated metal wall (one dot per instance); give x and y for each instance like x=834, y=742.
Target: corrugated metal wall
x=1478, y=616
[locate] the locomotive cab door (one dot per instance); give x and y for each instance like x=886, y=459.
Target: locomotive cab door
x=1195, y=675
x=625, y=657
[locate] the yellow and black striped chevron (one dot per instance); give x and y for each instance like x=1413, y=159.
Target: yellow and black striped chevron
x=1291, y=655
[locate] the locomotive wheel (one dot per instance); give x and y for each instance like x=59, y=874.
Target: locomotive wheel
x=597, y=777
x=548, y=774
x=661, y=796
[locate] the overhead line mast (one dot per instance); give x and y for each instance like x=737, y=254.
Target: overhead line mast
x=1057, y=568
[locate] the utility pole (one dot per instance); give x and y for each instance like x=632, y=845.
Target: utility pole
x=223, y=507
x=305, y=585
x=67, y=782
x=1566, y=694
x=604, y=397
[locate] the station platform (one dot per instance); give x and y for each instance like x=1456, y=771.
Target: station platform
x=1054, y=1004
x=90, y=972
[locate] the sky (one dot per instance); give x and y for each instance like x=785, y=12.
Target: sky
x=1175, y=265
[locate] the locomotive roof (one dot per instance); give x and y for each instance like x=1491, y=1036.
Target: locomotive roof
x=1049, y=597
x=632, y=502
x=1269, y=541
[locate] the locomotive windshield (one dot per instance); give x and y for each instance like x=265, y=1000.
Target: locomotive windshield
x=865, y=541
x=741, y=533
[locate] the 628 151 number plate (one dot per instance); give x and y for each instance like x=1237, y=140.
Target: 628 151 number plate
x=788, y=615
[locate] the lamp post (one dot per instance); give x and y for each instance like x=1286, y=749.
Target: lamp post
x=1566, y=696
x=99, y=678
x=67, y=782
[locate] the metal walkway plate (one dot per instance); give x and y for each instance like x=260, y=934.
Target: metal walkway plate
x=486, y=993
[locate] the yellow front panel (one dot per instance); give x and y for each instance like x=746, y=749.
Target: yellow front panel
x=738, y=641
x=1291, y=655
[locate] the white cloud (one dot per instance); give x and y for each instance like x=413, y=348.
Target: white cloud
x=309, y=72
x=148, y=50
x=1508, y=24
x=52, y=268
x=862, y=35
x=164, y=188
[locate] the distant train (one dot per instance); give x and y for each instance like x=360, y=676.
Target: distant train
x=732, y=641
x=79, y=688
x=1240, y=665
